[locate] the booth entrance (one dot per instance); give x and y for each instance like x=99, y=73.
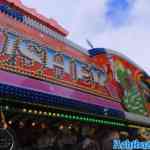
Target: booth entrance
x=37, y=127
x=44, y=128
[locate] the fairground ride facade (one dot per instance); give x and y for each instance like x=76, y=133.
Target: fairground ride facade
x=43, y=74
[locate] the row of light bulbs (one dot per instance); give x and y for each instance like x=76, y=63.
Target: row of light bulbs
x=70, y=117
x=4, y=65
x=22, y=124
x=73, y=117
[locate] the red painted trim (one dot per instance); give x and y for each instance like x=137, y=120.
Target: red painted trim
x=51, y=23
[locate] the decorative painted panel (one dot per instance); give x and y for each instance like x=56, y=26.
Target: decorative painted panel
x=131, y=83
x=130, y=79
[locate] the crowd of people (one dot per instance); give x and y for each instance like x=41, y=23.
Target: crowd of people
x=65, y=138
x=59, y=135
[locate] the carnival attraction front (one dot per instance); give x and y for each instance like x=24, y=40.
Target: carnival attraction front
x=52, y=86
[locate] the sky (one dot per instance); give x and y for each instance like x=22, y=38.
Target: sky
x=120, y=25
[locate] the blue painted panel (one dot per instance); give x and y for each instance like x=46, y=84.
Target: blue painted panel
x=11, y=12
x=96, y=51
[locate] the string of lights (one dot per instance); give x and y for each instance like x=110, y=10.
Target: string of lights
x=66, y=116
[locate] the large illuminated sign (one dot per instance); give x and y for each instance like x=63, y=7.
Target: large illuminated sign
x=102, y=74
x=21, y=55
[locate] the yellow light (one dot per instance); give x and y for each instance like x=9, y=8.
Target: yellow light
x=24, y=110
x=61, y=127
x=70, y=126
x=138, y=127
x=45, y=113
x=134, y=126
x=7, y=107
x=30, y=111
x=10, y=122
x=35, y=111
x=58, y=115
x=33, y=124
x=40, y=112
x=21, y=124
x=54, y=114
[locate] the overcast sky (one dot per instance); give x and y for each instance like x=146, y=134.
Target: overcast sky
x=121, y=25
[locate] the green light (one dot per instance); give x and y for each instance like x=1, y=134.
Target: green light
x=81, y=118
x=66, y=116
x=104, y=122
x=70, y=117
x=101, y=121
x=93, y=120
x=62, y=115
x=77, y=117
x=89, y=119
x=111, y=123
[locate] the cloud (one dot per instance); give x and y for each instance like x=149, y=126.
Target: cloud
x=122, y=25
x=131, y=39
x=61, y=10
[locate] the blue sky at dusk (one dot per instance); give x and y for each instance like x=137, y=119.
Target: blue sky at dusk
x=121, y=25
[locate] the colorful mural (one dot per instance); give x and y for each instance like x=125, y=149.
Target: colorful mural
x=133, y=86
x=133, y=100
x=136, y=97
